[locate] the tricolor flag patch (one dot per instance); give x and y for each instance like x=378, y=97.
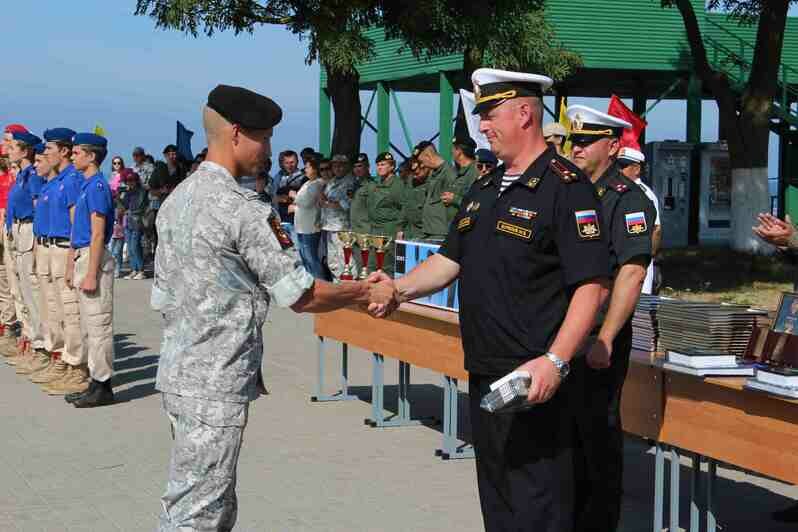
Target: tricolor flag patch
x=636, y=223
x=587, y=225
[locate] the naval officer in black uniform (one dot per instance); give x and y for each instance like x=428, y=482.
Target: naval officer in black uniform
x=528, y=251
x=627, y=215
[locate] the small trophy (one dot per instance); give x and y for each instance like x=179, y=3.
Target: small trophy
x=364, y=241
x=347, y=238
x=381, y=244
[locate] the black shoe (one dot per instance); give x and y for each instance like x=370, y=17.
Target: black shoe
x=74, y=396
x=101, y=395
x=788, y=515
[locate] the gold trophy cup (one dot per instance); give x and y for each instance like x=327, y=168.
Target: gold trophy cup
x=364, y=241
x=347, y=239
x=380, y=243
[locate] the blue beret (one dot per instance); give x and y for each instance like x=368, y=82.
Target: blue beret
x=28, y=138
x=39, y=148
x=59, y=134
x=89, y=138
x=486, y=156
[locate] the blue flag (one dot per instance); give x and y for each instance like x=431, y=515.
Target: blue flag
x=184, y=142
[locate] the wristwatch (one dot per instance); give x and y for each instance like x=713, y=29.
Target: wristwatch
x=562, y=366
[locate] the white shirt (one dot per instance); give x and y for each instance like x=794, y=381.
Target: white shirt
x=648, y=283
x=307, y=216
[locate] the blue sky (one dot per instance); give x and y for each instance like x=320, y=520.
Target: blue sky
x=92, y=61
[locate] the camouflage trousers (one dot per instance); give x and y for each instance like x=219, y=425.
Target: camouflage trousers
x=201, y=491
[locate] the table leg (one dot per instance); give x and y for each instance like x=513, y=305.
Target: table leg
x=695, y=512
x=451, y=448
x=674, y=481
x=712, y=524
x=659, y=486
x=402, y=418
x=343, y=393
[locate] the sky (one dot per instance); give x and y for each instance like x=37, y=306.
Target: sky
x=93, y=62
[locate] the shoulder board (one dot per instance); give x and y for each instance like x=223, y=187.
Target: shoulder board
x=565, y=174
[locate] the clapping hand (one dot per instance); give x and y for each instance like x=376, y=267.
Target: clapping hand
x=382, y=295
x=774, y=231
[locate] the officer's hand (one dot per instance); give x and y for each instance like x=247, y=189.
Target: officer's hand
x=774, y=231
x=600, y=354
x=545, y=379
x=382, y=295
x=447, y=197
x=89, y=284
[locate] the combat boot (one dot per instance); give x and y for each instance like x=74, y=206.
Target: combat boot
x=13, y=352
x=56, y=371
x=40, y=361
x=33, y=361
x=76, y=381
x=98, y=394
x=46, y=369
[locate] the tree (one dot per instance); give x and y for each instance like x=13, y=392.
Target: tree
x=331, y=29
x=744, y=117
x=508, y=34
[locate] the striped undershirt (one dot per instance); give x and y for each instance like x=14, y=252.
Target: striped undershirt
x=507, y=180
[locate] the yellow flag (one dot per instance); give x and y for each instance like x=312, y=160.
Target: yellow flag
x=99, y=130
x=566, y=147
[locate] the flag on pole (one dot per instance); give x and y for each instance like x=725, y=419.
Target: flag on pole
x=564, y=122
x=472, y=120
x=184, y=142
x=631, y=137
x=99, y=130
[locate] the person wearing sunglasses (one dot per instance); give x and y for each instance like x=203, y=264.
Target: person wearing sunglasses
x=627, y=218
x=116, y=182
x=486, y=162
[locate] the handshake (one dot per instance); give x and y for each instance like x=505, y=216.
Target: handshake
x=383, y=295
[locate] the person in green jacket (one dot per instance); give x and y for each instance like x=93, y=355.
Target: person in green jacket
x=435, y=215
x=384, y=202
x=463, y=148
x=411, y=226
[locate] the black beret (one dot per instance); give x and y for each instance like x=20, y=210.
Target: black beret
x=421, y=146
x=244, y=107
x=465, y=142
x=385, y=156
x=362, y=158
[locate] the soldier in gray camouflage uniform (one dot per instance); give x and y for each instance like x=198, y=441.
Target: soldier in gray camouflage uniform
x=218, y=266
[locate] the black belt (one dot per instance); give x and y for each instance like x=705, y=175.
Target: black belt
x=42, y=240
x=57, y=241
x=23, y=220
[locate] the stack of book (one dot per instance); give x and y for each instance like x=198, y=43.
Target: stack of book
x=645, y=334
x=705, y=364
x=778, y=380
x=715, y=328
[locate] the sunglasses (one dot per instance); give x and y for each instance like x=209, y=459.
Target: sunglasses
x=482, y=166
x=117, y=163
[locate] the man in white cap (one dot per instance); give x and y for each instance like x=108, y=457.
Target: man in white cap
x=631, y=163
x=554, y=133
x=527, y=249
x=625, y=214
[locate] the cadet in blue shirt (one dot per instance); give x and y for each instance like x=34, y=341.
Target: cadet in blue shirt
x=70, y=374
x=94, y=269
x=19, y=223
x=52, y=330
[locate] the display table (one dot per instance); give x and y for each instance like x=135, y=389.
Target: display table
x=711, y=419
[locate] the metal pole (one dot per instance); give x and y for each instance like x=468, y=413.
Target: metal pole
x=659, y=486
x=446, y=107
x=324, y=121
x=712, y=524
x=401, y=116
x=674, y=509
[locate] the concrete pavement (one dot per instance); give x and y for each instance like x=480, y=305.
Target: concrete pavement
x=304, y=466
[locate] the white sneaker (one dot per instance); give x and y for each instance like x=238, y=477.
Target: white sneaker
x=139, y=276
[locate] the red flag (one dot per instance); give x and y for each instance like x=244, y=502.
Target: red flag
x=630, y=137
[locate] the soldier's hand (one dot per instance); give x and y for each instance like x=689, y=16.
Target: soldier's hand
x=600, y=354
x=89, y=284
x=382, y=295
x=447, y=197
x=774, y=231
x=545, y=379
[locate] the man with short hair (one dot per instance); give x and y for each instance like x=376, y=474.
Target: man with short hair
x=463, y=148
x=555, y=133
x=530, y=276
x=286, y=184
x=631, y=163
x=92, y=269
x=625, y=215
x=174, y=166
x=436, y=216
x=223, y=259
x=335, y=203
x=8, y=312
x=142, y=166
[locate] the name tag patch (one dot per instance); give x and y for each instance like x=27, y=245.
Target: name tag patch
x=587, y=226
x=464, y=223
x=636, y=223
x=514, y=230
x=522, y=213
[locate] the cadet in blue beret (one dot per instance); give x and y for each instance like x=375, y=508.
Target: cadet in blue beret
x=51, y=320
x=69, y=374
x=19, y=225
x=94, y=268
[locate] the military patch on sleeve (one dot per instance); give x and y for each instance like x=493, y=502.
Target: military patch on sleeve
x=279, y=232
x=561, y=170
x=601, y=191
x=464, y=223
x=587, y=226
x=636, y=223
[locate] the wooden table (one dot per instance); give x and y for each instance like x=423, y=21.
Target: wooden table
x=712, y=419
